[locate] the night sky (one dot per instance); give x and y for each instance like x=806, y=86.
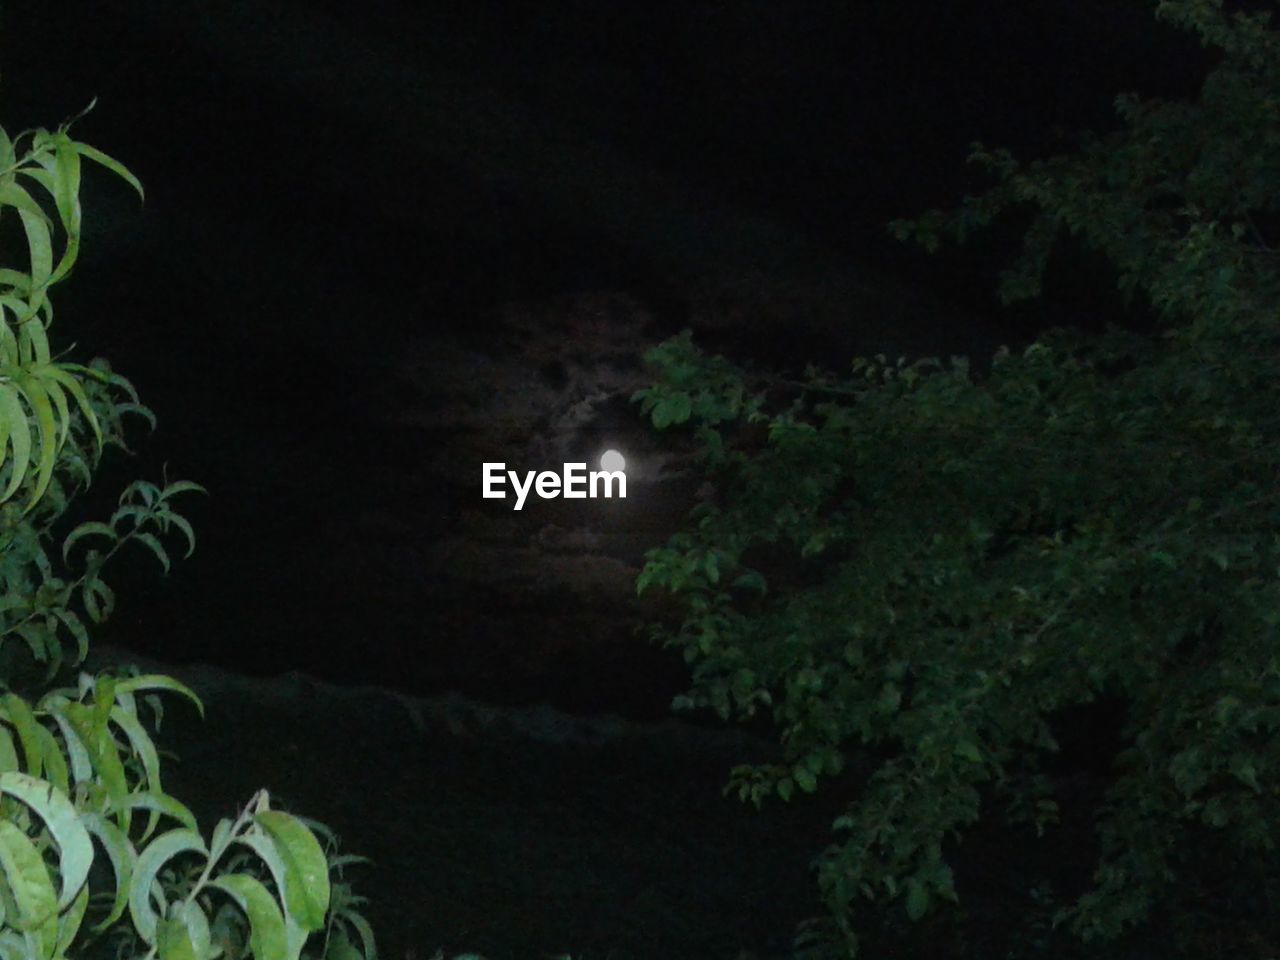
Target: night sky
x=386, y=242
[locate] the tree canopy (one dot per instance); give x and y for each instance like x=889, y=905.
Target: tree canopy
x=915, y=570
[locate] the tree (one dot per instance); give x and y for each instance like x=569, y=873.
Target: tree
x=915, y=570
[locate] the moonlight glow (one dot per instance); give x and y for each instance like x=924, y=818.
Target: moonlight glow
x=612, y=460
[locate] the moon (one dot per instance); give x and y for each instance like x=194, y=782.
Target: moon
x=612, y=460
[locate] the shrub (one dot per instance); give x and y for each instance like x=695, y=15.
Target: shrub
x=78, y=763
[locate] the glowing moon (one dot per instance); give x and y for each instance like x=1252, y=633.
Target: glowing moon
x=612, y=460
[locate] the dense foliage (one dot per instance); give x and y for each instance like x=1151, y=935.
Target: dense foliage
x=78, y=763
x=918, y=572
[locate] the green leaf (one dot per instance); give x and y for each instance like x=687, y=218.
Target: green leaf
x=261, y=844
x=18, y=713
x=123, y=859
x=115, y=166
x=55, y=766
x=711, y=566
x=341, y=948
x=8, y=753
x=74, y=624
x=32, y=891
x=99, y=599
x=158, y=681
x=268, y=939
x=306, y=891
x=124, y=715
x=91, y=727
x=62, y=374
x=14, y=195
x=672, y=409
x=805, y=779
x=363, y=931
x=81, y=762
x=917, y=899
x=786, y=787
x=889, y=699
x=968, y=750
x=157, y=853
x=67, y=183
x=187, y=531
x=75, y=850
x=18, y=433
x=221, y=837
x=181, y=486
x=70, y=921
x=185, y=934
x=161, y=803
x=93, y=527
x=1242, y=769
x=40, y=249
x=173, y=941
x=155, y=547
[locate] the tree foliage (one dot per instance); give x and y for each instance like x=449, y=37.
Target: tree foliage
x=914, y=570
x=79, y=770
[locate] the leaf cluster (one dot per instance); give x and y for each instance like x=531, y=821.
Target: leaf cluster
x=78, y=765
x=914, y=571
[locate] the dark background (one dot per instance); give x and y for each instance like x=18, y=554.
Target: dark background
x=386, y=242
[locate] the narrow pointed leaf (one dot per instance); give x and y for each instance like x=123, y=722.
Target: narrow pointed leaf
x=159, y=852
x=32, y=890
x=75, y=850
x=267, y=939
x=84, y=530
x=19, y=432
x=69, y=922
x=115, y=166
x=158, y=681
x=123, y=857
x=19, y=715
